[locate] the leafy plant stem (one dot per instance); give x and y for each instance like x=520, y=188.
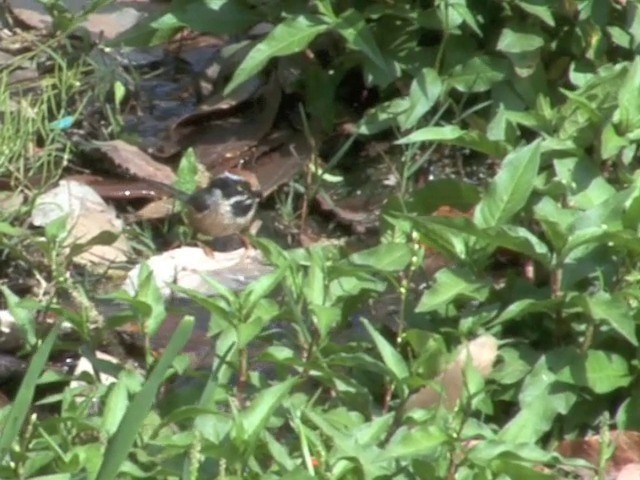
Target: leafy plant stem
x=242, y=376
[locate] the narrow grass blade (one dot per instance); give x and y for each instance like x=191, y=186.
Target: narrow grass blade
x=120, y=444
x=22, y=402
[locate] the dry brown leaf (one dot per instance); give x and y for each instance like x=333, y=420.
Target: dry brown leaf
x=135, y=162
x=448, y=386
x=225, y=143
x=281, y=165
x=88, y=216
x=629, y=472
x=627, y=451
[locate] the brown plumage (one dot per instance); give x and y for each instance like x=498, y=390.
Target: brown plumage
x=226, y=206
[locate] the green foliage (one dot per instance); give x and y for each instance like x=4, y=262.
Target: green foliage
x=307, y=379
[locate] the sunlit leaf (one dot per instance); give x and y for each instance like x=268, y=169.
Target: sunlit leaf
x=510, y=189
x=290, y=36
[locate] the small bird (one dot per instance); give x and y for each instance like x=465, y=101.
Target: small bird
x=226, y=206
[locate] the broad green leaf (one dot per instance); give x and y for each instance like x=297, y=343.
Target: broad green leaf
x=353, y=27
x=510, y=189
x=115, y=407
x=526, y=306
x=491, y=450
x=325, y=318
x=454, y=135
x=606, y=216
x=382, y=116
x=518, y=239
x=606, y=371
x=10, y=230
x=412, y=442
x=628, y=415
x=388, y=257
x=611, y=143
x=627, y=117
x=515, y=365
x=315, y=286
x=584, y=181
x=555, y=221
x=390, y=356
x=261, y=288
x=449, y=285
x=611, y=311
x=478, y=74
x=150, y=294
x=290, y=36
x=541, y=398
x=600, y=371
x=24, y=313
x=434, y=194
x=255, y=417
x=423, y=94
x=538, y=8
x=519, y=40
x=214, y=16
x=447, y=235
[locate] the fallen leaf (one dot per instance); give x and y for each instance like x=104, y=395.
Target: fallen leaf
x=448, y=387
x=226, y=143
x=188, y=267
x=135, y=162
x=627, y=452
x=88, y=218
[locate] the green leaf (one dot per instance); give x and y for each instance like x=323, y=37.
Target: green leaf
x=390, y=356
x=150, y=294
x=520, y=308
x=454, y=135
x=606, y=371
x=423, y=94
x=627, y=117
x=600, y=371
x=23, y=312
x=412, y=442
x=13, y=422
x=115, y=407
x=352, y=26
x=519, y=40
x=447, y=235
x=291, y=36
x=449, y=285
x=510, y=189
x=478, y=74
x=119, y=446
x=541, y=398
x=382, y=116
x=611, y=311
x=555, y=221
x=214, y=16
x=518, y=239
x=438, y=193
x=387, y=257
x=538, y=8
x=254, y=419
x=261, y=288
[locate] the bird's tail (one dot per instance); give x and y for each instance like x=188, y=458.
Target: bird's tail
x=170, y=189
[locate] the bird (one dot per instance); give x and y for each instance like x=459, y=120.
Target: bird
x=226, y=206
